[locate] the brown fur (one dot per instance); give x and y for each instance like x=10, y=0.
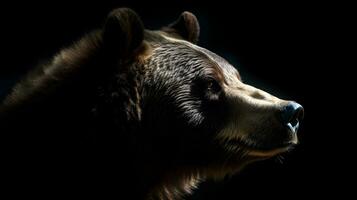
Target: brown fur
x=162, y=113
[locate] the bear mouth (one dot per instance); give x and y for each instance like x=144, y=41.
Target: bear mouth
x=258, y=150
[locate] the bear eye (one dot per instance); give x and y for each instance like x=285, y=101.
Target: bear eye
x=213, y=86
x=207, y=88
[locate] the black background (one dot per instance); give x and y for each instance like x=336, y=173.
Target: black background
x=293, y=50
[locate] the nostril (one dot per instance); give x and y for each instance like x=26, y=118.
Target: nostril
x=292, y=114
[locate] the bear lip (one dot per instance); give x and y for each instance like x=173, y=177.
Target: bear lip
x=269, y=153
x=255, y=150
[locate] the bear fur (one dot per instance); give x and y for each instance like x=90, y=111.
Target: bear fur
x=129, y=111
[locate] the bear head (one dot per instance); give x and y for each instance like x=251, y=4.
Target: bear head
x=193, y=115
x=177, y=112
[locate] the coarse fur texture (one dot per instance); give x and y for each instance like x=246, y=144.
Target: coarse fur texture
x=149, y=109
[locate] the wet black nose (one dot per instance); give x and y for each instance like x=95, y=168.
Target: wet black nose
x=291, y=115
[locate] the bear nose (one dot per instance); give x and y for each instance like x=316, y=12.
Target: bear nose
x=291, y=115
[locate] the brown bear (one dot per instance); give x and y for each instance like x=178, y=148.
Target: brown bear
x=129, y=111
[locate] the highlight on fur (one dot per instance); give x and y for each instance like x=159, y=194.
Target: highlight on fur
x=148, y=108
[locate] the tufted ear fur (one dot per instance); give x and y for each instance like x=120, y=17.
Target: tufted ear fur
x=186, y=26
x=123, y=32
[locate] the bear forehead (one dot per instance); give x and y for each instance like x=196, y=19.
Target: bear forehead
x=180, y=55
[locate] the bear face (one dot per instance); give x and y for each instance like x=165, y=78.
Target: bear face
x=172, y=112
x=190, y=89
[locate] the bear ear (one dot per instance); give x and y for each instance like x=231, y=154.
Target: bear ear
x=186, y=26
x=123, y=32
